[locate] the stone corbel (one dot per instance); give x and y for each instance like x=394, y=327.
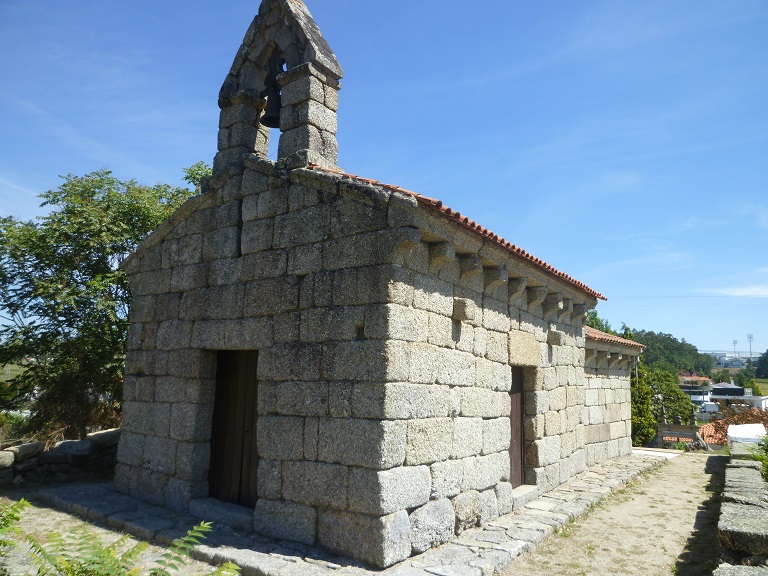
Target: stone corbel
x=579, y=313
x=441, y=254
x=552, y=304
x=470, y=267
x=615, y=360
x=567, y=312
x=464, y=310
x=536, y=295
x=495, y=278
x=603, y=358
x=516, y=288
x=590, y=355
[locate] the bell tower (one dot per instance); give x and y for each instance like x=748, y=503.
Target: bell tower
x=284, y=76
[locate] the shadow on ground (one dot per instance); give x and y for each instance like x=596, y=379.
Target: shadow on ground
x=702, y=551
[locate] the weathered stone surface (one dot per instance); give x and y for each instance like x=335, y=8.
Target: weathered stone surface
x=467, y=508
x=743, y=528
x=429, y=440
x=285, y=520
x=105, y=438
x=447, y=478
x=383, y=492
x=489, y=506
x=431, y=525
x=7, y=459
x=357, y=442
x=315, y=484
x=382, y=541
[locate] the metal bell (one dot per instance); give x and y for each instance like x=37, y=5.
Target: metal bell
x=271, y=117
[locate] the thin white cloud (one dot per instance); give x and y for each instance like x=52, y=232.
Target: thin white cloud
x=740, y=291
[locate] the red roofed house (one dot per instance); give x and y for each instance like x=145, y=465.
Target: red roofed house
x=327, y=359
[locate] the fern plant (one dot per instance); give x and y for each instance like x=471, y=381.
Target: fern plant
x=10, y=514
x=81, y=553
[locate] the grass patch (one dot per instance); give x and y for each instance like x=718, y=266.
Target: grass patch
x=762, y=386
x=10, y=371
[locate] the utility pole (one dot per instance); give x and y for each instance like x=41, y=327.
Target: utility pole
x=750, y=337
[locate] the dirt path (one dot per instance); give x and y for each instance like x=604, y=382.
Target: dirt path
x=663, y=523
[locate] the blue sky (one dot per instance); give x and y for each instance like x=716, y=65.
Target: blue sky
x=624, y=143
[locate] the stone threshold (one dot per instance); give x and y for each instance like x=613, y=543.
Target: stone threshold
x=483, y=551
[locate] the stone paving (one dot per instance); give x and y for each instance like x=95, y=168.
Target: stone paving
x=476, y=552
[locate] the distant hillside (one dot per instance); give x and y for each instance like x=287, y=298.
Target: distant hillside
x=666, y=350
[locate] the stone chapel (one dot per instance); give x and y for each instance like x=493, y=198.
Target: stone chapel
x=331, y=360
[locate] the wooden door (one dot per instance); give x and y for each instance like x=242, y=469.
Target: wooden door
x=517, y=440
x=234, y=461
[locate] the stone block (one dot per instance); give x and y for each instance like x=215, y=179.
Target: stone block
x=429, y=440
x=493, y=375
x=383, y=492
x=743, y=528
x=263, y=265
x=467, y=508
x=368, y=443
x=280, y=437
x=257, y=234
x=271, y=296
x=381, y=541
x=302, y=398
x=483, y=403
x=536, y=402
x=285, y=521
x=396, y=322
x=455, y=368
x=433, y=295
x=425, y=361
x=440, y=330
x=193, y=461
x=269, y=479
x=248, y=334
x=130, y=451
x=482, y=472
x=431, y=525
x=152, y=419
x=367, y=360
x=523, y=349
x=489, y=506
x=467, y=437
x=7, y=458
x=505, y=499
x=304, y=226
x=297, y=362
x=191, y=422
x=397, y=401
x=179, y=493
x=447, y=478
x=557, y=398
x=316, y=484
x=160, y=454
x=496, y=435
x=543, y=452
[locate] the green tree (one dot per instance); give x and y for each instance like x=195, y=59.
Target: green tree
x=762, y=366
x=643, y=422
x=666, y=389
x=64, y=300
x=684, y=357
x=594, y=321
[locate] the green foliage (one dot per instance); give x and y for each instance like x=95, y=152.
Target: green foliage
x=643, y=422
x=667, y=392
x=762, y=366
x=12, y=426
x=81, y=553
x=65, y=300
x=10, y=514
x=196, y=173
x=760, y=453
x=594, y=321
x=681, y=356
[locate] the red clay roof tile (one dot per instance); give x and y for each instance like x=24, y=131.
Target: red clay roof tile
x=600, y=336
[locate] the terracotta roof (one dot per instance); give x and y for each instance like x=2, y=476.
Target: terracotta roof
x=471, y=225
x=599, y=336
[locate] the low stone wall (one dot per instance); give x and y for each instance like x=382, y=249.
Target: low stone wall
x=69, y=461
x=743, y=525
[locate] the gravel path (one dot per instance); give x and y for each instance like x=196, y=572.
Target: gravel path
x=665, y=522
